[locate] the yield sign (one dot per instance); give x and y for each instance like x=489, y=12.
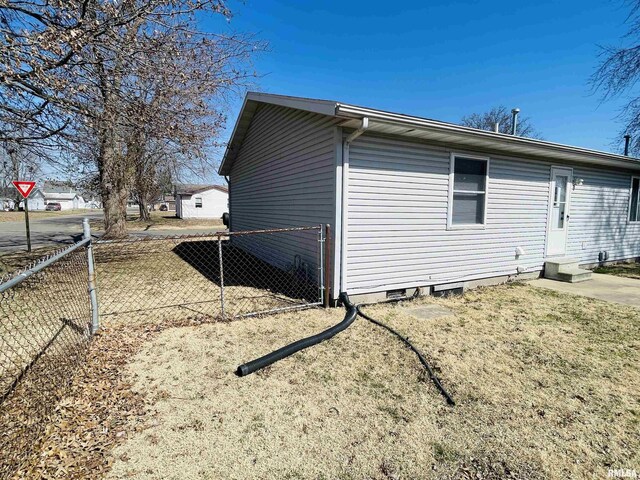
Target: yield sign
x=24, y=188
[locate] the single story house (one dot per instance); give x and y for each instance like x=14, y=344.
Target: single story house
x=67, y=201
x=7, y=203
x=63, y=193
x=418, y=203
x=169, y=201
x=201, y=201
x=37, y=200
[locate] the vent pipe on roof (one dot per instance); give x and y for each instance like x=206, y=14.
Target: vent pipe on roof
x=514, y=121
x=627, y=139
x=496, y=127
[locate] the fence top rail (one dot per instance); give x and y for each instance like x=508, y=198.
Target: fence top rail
x=151, y=238
x=20, y=277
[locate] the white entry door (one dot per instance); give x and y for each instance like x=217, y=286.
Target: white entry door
x=560, y=202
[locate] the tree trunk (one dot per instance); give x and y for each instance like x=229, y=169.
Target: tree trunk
x=114, y=198
x=113, y=183
x=144, y=210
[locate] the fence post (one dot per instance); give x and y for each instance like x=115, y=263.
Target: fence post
x=320, y=269
x=327, y=264
x=95, y=323
x=221, y=275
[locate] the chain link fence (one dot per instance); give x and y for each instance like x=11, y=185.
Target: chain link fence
x=49, y=311
x=215, y=276
x=45, y=325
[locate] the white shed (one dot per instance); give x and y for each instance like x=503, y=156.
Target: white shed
x=201, y=201
x=417, y=203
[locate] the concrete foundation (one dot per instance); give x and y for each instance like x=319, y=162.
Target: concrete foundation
x=379, y=297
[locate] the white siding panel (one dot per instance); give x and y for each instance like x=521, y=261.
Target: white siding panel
x=398, y=193
x=599, y=213
x=398, y=237
x=284, y=176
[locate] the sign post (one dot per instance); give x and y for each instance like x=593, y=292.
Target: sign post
x=25, y=189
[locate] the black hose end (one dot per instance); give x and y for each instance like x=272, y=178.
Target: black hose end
x=242, y=370
x=344, y=298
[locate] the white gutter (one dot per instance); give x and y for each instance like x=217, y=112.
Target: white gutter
x=345, y=201
x=503, y=140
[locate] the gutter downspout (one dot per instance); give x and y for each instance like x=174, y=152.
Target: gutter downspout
x=345, y=200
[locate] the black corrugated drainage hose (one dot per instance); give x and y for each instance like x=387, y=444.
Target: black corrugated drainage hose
x=406, y=341
x=258, y=363
x=352, y=312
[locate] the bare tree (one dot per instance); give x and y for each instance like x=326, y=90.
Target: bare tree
x=502, y=116
x=17, y=164
x=38, y=38
x=172, y=104
x=79, y=72
x=618, y=74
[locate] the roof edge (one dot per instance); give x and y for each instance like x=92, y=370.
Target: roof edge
x=397, y=118
x=492, y=140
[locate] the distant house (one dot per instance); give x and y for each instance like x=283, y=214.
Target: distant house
x=67, y=201
x=8, y=198
x=36, y=200
x=166, y=200
x=7, y=204
x=201, y=201
x=67, y=196
x=170, y=202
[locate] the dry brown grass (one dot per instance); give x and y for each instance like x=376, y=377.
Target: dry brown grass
x=164, y=221
x=629, y=270
x=16, y=260
x=546, y=385
x=169, y=280
x=36, y=214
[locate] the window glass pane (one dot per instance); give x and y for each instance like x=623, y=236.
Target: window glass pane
x=469, y=174
x=633, y=212
x=198, y=202
x=561, y=188
x=468, y=209
x=557, y=215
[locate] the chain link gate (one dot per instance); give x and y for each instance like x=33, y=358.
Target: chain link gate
x=222, y=275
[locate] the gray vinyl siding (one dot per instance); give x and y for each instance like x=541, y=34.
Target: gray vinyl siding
x=599, y=213
x=397, y=214
x=284, y=176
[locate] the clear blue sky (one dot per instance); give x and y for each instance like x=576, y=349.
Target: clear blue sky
x=443, y=59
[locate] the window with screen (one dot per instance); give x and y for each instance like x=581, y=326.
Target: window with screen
x=198, y=202
x=468, y=191
x=634, y=208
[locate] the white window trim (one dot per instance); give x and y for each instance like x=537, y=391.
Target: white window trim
x=629, y=221
x=468, y=226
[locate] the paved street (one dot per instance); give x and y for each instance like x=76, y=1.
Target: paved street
x=45, y=231
x=65, y=229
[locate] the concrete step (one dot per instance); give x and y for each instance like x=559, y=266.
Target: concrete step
x=565, y=269
x=575, y=275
